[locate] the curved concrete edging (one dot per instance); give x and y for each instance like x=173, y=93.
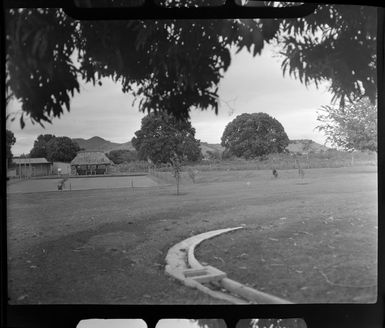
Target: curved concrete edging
x=183, y=252
x=176, y=264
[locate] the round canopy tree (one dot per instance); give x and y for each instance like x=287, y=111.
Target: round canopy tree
x=40, y=146
x=162, y=136
x=60, y=149
x=253, y=135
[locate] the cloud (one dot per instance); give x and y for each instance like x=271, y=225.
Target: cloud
x=256, y=84
x=251, y=84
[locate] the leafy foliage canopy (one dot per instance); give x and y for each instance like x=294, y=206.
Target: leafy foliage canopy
x=54, y=149
x=353, y=127
x=176, y=65
x=253, y=135
x=39, y=148
x=120, y=156
x=162, y=137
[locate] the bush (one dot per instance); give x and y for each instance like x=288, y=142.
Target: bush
x=284, y=161
x=192, y=173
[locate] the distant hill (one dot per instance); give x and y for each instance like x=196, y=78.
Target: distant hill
x=304, y=146
x=206, y=147
x=100, y=144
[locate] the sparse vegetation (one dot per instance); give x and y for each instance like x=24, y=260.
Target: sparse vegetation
x=192, y=173
x=176, y=164
x=329, y=159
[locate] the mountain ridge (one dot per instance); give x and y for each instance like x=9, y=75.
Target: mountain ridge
x=97, y=143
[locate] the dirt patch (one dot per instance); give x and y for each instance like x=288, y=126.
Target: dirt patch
x=114, y=241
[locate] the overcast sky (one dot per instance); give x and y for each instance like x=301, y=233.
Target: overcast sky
x=251, y=84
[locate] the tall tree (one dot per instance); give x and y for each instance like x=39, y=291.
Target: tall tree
x=253, y=135
x=39, y=148
x=10, y=141
x=176, y=65
x=59, y=149
x=163, y=137
x=353, y=127
x=120, y=156
x=62, y=149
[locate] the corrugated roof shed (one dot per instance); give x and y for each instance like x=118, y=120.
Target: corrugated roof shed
x=90, y=158
x=30, y=161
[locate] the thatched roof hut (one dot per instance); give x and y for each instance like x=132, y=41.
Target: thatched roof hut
x=90, y=162
x=90, y=158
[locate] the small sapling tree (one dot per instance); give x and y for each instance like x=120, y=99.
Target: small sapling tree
x=176, y=164
x=192, y=174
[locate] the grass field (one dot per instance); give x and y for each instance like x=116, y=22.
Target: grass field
x=310, y=240
x=77, y=183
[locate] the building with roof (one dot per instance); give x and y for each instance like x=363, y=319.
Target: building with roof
x=90, y=163
x=32, y=167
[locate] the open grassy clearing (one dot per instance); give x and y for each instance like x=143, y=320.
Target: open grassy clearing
x=109, y=245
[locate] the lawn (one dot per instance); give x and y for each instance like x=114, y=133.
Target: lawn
x=310, y=240
x=80, y=183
